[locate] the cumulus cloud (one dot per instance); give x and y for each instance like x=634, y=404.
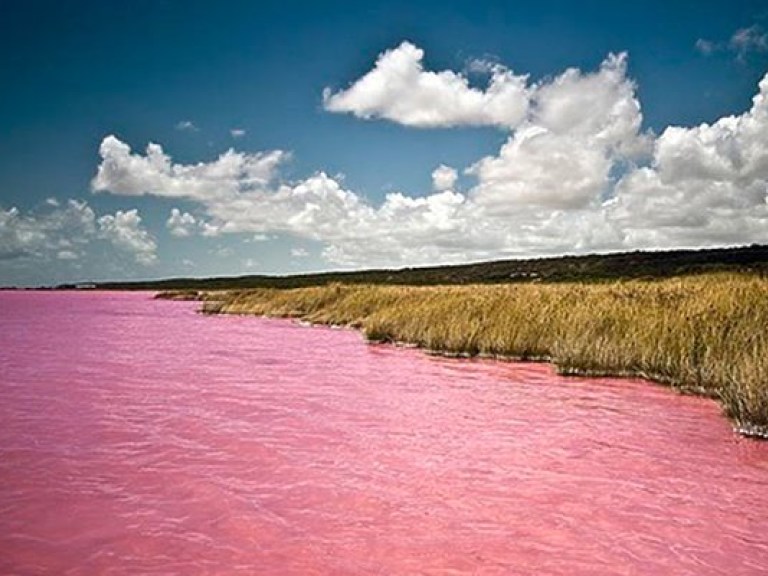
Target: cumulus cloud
x=180, y=224
x=580, y=127
x=186, y=126
x=601, y=106
x=19, y=236
x=401, y=90
x=37, y=235
x=122, y=172
x=237, y=132
x=706, y=184
x=482, y=65
x=239, y=190
x=444, y=178
x=538, y=168
x=123, y=229
x=576, y=173
x=65, y=232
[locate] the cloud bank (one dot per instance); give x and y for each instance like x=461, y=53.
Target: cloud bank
x=68, y=232
x=576, y=173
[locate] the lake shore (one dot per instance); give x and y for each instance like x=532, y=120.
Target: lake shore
x=704, y=334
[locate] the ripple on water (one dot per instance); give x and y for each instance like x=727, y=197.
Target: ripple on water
x=140, y=437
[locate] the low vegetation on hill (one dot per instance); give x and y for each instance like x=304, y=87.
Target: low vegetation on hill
x=589, y=268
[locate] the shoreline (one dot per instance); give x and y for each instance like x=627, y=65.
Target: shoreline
x=701, y=335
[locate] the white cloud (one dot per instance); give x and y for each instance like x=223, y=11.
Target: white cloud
x=482, y=65
x=238, y=190
x=706, y=47
x=180, y=224
x=706, y=184
x=186, y=126
x=577, y=173
x=600, y=106
x=19, y=236
x=38, y=235
x=444, y=178
x=299, y=253
x=746, y=40
x=401, y=90
x=237, y=132
x=65, y=232
x=581, y=125
x=122, y=172
x=67, y=255
x=538, y=168
x=210, y=230
x=123, y=229
x=742, y=43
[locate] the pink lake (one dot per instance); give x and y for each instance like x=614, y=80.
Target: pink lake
x=139, y=437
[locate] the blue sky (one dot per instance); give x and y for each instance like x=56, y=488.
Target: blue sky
x=354, y=181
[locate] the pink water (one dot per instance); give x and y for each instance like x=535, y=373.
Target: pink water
x=138, y=437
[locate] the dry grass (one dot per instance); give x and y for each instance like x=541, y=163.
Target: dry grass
x=704, y=334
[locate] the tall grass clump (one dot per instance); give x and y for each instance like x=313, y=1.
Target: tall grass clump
x=703, y=334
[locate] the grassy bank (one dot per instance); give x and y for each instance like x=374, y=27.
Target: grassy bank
x=704, y=334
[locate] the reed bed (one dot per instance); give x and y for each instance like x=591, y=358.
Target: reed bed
x=703, y=334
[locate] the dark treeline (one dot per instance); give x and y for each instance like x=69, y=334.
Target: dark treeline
x=588, y=268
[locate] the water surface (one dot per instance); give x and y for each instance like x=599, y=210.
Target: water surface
x=140, y=437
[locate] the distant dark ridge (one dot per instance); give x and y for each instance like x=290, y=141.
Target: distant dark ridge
x=588, y=268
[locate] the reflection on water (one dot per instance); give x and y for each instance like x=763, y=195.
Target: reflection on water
x=140, y=437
